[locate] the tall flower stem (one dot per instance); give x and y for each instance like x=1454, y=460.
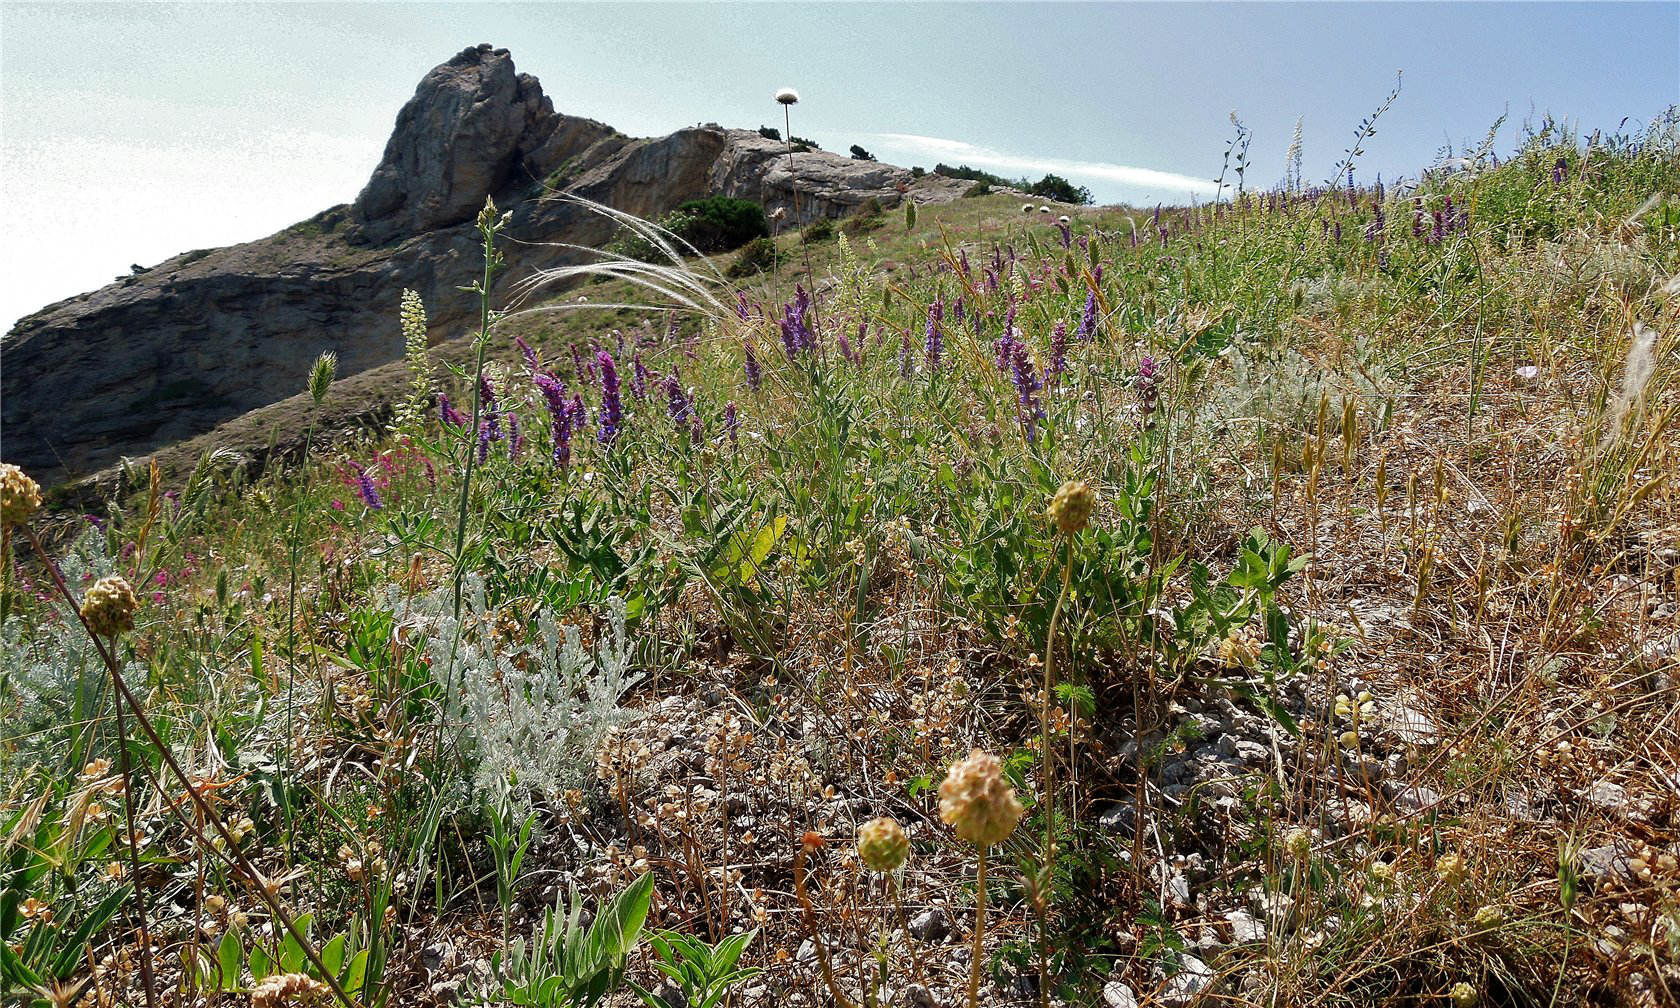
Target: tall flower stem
x=133, y=837
x=979, y=930
x=793, y=185
x=229, y=850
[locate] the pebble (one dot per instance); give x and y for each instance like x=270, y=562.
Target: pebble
x=930, y=926
x=1117, y=995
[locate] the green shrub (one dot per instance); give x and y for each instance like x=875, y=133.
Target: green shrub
x=981, y=188
x=721, y=223
x=821, y=229
x=769, y=132
x=1054, y=187
x=859, y=154
x=757, y=256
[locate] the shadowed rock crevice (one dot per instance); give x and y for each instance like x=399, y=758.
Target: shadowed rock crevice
x=207, y=336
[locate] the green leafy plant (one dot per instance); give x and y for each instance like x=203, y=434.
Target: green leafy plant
x=705, y=973
x=567, y=965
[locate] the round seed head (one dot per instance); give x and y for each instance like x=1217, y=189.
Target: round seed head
x=20, y=496
x=788, y=96
x=109, y=606
x=1463, y=995
x=882, y=845
x=1071, y=508
x=978, y=802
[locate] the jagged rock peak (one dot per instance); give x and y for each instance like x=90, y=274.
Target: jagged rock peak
x=464, y=135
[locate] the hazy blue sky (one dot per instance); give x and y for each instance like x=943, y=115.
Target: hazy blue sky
x=135, y=131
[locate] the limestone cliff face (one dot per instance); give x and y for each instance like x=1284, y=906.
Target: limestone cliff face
x=208, y=336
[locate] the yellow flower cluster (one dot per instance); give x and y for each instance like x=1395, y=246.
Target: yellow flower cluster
x=109, y=606
x=20, y=496
x=1071, y=508
x=882, y=845
x=290, y=990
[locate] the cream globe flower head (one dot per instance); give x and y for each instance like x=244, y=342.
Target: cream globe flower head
x=788, y=96
x=882, y=845
x=20, y=496
x=1026, y=208
x=109, y=606
x=1071, y=508
x=977, y=802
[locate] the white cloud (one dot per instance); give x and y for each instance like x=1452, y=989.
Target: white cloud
x=1129, y=177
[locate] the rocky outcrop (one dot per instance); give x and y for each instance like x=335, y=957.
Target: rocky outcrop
x=210, y=335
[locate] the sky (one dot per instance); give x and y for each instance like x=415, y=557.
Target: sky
x=130, y=132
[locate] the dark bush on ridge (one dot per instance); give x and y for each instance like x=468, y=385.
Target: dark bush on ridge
x=721, y=223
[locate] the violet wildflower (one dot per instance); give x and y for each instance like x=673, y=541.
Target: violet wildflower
x=612, y=408
x=365, y=489
x=695, y=432
x=1067, y=234
x=1336, y=233
x=1417, y=217
x=678, y=396
x=1374, y=230
x=516, y=437
x=846, y=351
x=562, y=430
x=755, y=375
x=795, y=336
x=906, y=366
x=638, y=378
x=449, y=414
x=525, y=350
x=1147, y=386
x=484, y=439
x=732, y=423
x=1560, y=171
x=1088, y=320
x=741, y=306
x=553, y=393
x=933, y=340
x=487, y=403
x=1013, y=357
x=1058, y=349
x=580, y=416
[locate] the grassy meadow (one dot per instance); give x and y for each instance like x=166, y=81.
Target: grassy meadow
x=1302, y=569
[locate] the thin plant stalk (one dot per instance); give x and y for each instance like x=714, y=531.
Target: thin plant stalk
x=230, y=849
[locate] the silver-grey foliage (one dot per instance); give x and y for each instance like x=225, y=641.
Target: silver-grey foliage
x=533, y=712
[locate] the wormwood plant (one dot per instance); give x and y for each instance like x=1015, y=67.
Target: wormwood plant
x=533, y=709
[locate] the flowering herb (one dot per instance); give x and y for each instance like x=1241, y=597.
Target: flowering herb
x=1058, y=349
x=1088, y=320
x=679, y=405
x=448, y=414
x=933, y=341
x=755, y=374
x=732, y=423
x=1015, y=359
x=525, y=350
x=612, y=408
x=365, y=488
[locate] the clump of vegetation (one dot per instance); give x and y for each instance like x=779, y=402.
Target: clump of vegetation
x=819, y=230
x=1050, y=187
x=757, y=256
x=1269, y=601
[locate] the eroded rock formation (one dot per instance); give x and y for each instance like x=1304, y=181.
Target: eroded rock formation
x=210, y=335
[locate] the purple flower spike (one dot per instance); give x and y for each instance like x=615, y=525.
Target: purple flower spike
x=678, y=396
x=1088, y=320
x=525, y=350
x=364, y=488
x=612, y=408
x=933, y=340
x=1012, y=356
x=732, y=424
x=1058, y=349
x=516, y=437
x=755, y=374
x=449, y=414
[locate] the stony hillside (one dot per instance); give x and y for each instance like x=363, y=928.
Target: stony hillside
x=210, y=335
